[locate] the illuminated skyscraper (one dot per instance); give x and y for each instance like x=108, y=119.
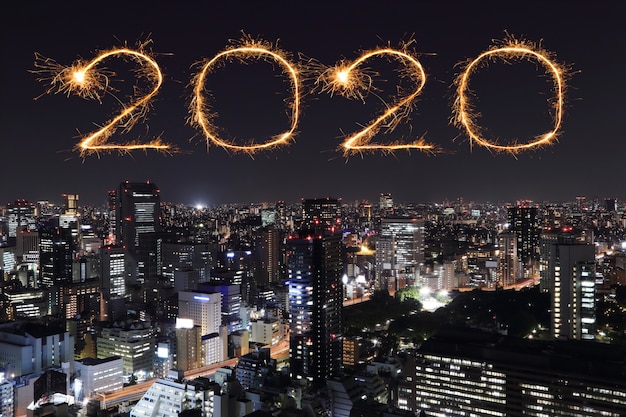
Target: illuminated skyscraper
x=71, y=204
x=401, y=246
x=509, y=268
x=464, y=374
x=112, y=216
x=56, y=248
x=267, y=252
x=321, y=214
x=138, y=214
x=21, y=213
x=113, y=283
x=385, y=204
x=571, y=273
x=315, y=301
x=134, y=342
x=523, y=219
x=205, y=310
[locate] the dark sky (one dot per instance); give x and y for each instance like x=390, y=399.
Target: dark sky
x=37, y=136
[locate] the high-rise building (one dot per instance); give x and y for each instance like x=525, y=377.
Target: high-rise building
x=71, y=204
x=27, y=246
x=112, y=216
x=56, y=253
x=321, y=214
x=7, y=397
x=385, y=203
x=138, y=214
x=176, y=257
x=188, y=345
x=571, y=273
x=559, y=235
x=485, y=375
x=21, y=213
x=134, y=342
x=401, y=245
x=610, y=204
x=509, y=267
x=315, y=301
x=523, y=220
x=30, y=348
x=230, y=303
x=267, y=245
x=112, y=282
x=205, y=310
x=253, y=367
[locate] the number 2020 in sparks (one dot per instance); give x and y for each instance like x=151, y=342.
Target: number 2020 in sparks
x=351, y=79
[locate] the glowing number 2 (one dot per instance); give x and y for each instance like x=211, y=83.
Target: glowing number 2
x=347, y=80
x=513, y=48
x=199, y=108
x=86, y=81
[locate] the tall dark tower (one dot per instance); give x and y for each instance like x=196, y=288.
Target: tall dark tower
x=315, y=301
x=138, y=215
x=56, y=253
x=112, y=217
x=523, y=220
x=321, y=214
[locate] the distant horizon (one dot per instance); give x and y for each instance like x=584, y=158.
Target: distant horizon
x=374, y=201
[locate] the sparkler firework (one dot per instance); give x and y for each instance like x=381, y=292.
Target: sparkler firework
x=465, y=115
x=86, y=80
x=203, y=118
x=351, y=81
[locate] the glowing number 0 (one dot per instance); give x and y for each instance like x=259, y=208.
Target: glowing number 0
x=86, y=81
x=348, y=81
x=200, y=109
x=463, y=107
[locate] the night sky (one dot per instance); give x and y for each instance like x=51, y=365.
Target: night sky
x=37, y=137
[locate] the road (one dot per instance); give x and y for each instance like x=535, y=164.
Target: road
x=135, y=392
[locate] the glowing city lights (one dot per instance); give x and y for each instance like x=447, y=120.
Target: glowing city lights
x=352, y=81
x=465, y=113
x=203, y=114
x=88, y=81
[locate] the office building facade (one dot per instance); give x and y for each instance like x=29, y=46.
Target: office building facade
x=315, y=302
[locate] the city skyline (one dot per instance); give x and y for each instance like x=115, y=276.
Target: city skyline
x=38, y=136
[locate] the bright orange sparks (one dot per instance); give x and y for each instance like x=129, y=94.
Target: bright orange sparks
x=352, y=82
x=463, y=108
x=203, y=118
x=85, y=80
x=79, y=76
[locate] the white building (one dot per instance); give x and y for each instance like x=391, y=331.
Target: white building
x=170, y=396
x=98, y=376
x=266, y=332
x=27, y=348
x=205, y=309
x=7, y=397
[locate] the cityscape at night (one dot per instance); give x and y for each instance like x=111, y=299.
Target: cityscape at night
x=320, y=307
x=329, y=209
